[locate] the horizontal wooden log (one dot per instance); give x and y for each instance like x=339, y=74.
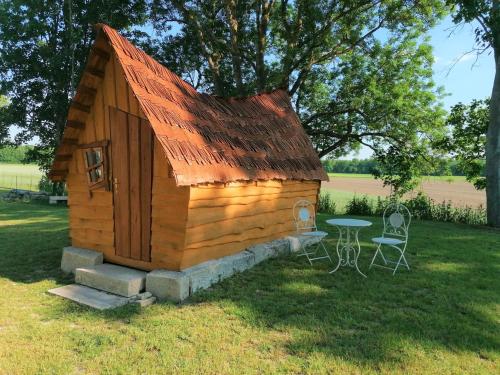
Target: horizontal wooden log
x=279, y=184
x=97, y=198
x=197, y=194
x=238, y=226
x=205, y=216
x=242, y=235
x=249, y=200
x=95, y=236
x=88, y=212
x=198, y=255
x=83, y=223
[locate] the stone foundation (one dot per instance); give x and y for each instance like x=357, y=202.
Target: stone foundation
x=177, y=286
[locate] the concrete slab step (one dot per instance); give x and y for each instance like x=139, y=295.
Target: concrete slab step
x=90, y=297
x=126, y=282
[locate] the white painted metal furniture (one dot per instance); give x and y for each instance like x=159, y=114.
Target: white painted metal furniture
x=348, y=248
x=304, y=214
x=397, y=220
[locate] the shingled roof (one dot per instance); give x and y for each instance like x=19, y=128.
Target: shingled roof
x=212, y=139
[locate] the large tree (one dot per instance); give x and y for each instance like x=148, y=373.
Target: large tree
x=43, y=48
x=466, y=140
x=486, y=15
x=359, y=72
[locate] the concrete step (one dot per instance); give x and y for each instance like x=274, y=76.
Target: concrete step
x=119, y=280
x=90, y=297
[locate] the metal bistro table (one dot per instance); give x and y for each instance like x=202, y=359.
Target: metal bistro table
x=347, y=250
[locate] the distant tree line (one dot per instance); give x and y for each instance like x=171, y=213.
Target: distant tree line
x=15, y=155
x=442, y=167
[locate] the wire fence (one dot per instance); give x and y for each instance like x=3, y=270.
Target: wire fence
x=25, y=182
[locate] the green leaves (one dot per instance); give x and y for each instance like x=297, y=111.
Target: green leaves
x=44, y=46
x=466, y=140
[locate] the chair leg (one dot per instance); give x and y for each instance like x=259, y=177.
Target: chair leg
x=326, y=251
x=379, y=250
x=315, y=252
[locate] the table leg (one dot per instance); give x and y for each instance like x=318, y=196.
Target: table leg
x=344, y=248
x=339, y=251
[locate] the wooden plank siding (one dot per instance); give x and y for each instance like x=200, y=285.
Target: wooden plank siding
x=168, y=213
x=224, y=219
x=91, y=215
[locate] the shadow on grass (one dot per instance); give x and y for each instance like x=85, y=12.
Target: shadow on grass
x=446, y=301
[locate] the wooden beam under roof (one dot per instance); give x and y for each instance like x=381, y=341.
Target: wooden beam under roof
x=69, y=141
x=95, y=72
x=101, y=53
x=75, y=124
x=82, y=89
x=63, y=158
x=80, y=107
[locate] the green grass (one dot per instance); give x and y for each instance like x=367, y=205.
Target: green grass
x=424, y=178
x=20, y=176
x=283, y=316
x=341, y=198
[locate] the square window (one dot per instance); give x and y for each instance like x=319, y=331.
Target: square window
x=94, y=156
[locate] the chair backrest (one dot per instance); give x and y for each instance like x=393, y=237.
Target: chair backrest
x=397, y=220
x=304, y=214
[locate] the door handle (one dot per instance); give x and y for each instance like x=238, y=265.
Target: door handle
x=115, y=185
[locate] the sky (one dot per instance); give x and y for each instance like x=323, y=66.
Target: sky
x=464, y=76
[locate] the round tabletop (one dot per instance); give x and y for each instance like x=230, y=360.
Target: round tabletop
x=356, y=223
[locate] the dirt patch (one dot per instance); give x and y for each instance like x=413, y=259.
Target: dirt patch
x=460, y=193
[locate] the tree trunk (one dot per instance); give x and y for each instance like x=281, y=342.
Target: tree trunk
x=235, y=48
x=493, y=151
x=262, y=20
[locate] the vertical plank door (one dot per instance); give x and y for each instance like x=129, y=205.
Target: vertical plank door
x=132, y=163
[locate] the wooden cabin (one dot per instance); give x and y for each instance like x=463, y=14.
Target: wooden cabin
x=162, y=176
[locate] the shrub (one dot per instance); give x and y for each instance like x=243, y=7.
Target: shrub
x=54, y=188
x=359, y=206
x=421, y=207
x=326, y=204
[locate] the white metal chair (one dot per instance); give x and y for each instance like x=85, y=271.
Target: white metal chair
x=397, y=220
x=304, y=213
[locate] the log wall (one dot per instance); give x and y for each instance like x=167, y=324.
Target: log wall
x=224, y=219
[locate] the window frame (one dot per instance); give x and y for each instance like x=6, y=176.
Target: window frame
x=102, y=146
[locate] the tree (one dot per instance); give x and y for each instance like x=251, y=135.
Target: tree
x=467, y=139
x=358, y=72
x=486, y=13
x=43, y=49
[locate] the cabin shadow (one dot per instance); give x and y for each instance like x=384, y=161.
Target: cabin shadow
x=371, y=321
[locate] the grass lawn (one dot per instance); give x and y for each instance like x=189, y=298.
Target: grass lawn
x=282, y=316
x=21, y=176
x=425, y=178
x=341, y=197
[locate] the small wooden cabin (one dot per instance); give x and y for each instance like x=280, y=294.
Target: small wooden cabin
x=162, y=176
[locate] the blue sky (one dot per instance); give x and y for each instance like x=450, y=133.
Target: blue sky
x=464, y=76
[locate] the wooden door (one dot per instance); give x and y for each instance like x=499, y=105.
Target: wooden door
x=132, y=166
